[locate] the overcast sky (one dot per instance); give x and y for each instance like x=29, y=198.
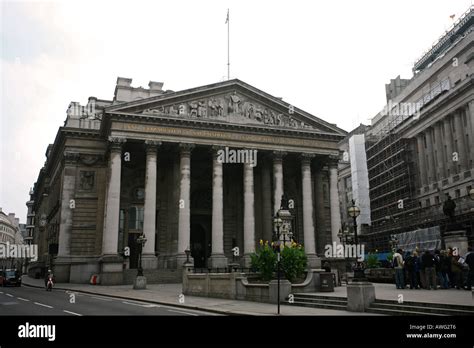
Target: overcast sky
x=329, y=58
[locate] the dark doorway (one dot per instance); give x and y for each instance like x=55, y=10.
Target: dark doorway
x=200, y=245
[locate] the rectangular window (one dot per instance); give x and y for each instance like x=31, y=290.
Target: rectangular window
x=457, y=193
x=436, y=199
x=427, y=202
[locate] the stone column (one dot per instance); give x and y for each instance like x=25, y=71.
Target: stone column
x=267, y=200
x=334, y=200
x=149, y=260
x=277, y=179
x=458, y=124
x=249, y=218
x=184, y=211
x=470, y=117
x=217, y=260
x=448, y=132
x=441, y=170
x=62, y=262
x=112, y=212
x=308, y=222
x=111, y=263
x=421, y=160
x=430, y=161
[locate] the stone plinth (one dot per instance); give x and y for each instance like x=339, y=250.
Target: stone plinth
x=456, y=239
x=139, y=283
x=360, y=295
x=285, y=290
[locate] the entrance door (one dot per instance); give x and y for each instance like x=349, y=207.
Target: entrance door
x=199, y=245
x=135, y=229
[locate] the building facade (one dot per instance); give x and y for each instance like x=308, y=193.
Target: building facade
x=151, y=162
x=420, y=148
x=10, y=234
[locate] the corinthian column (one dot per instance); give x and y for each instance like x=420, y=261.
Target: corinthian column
x=112, y=212
x=439, y=152
x=184, y=214
x=217, y=260
x=277, y=179
x=421, y=160
x=308, y=222
x=461, y=139
x=111, y=265
x=448, y=132
x=149, y=223
x=334, y=200
x=249, y=218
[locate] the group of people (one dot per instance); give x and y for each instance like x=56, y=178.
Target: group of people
x=430, y=269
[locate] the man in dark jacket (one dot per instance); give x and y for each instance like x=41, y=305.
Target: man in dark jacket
x=428, y=262
x=469, y=259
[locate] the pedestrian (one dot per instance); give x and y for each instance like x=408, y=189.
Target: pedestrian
x=438, y=269
x=429, y=268
x=456, y=269
x=445, y=270
x=450, y=269
x=412, y=268
x=397, y=264
x=470, y=264
x=421, y=273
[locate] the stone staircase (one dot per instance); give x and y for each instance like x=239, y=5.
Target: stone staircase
x=386, y=307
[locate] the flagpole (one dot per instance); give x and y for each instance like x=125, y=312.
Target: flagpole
x=228, y=45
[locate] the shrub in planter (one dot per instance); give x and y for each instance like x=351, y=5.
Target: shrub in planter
x=293, y=261
x=264, y=261
x=372, y=261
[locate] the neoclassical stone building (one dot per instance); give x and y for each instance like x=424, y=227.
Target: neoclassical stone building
x=146, y=162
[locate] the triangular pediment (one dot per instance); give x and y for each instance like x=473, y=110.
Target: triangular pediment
x=231, y=102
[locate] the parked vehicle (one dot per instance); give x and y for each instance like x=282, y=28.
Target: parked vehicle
x=10, y=277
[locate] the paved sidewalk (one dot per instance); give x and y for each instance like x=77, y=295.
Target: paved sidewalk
x=169, y=294
x=390, y=292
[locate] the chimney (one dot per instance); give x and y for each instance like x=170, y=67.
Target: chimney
x=155, y=86
x=123, y=81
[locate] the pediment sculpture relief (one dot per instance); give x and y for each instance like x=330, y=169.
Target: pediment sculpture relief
x=232, y=108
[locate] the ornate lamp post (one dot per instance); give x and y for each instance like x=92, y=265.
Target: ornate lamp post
x=281, y=229
x=354, y=212
x=141, y=240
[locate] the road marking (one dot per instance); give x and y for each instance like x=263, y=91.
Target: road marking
x=180, y=312
x=101, y=298
x=65, y=311
x=140, y=304
x=23, y=299
x=1, y=292
x=44, y=305
x=9, y=295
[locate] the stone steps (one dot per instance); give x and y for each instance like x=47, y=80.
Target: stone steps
x=388, y=307
x=155, y=276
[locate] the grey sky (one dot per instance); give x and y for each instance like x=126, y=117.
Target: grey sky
x=329, y=58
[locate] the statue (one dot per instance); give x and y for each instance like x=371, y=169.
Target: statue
x=284, y=202
x=449, y=207
x=194, y=109
x=234, y=105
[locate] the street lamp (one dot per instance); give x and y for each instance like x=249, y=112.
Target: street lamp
x=141, y=240
x=354, y=212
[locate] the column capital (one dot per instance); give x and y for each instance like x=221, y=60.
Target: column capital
x=278, y=155
x=116, y=143
x=214, y=150
x=151, y=146
x=333, y=161
x=306, y=158
x=186, y=148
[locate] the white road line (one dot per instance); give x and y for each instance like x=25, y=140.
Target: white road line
x=100, y=298
x=9, y=295
x=141, y=304
x=1, y=292
x=23, y=299
x=65, y=311
x=180, y=312
x=44, y=305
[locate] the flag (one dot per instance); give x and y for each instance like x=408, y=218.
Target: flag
x=452, y=16
x=227, y=19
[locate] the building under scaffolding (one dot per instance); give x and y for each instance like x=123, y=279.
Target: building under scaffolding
x=420, y=150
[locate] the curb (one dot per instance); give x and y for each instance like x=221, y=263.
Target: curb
x=151, y=301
